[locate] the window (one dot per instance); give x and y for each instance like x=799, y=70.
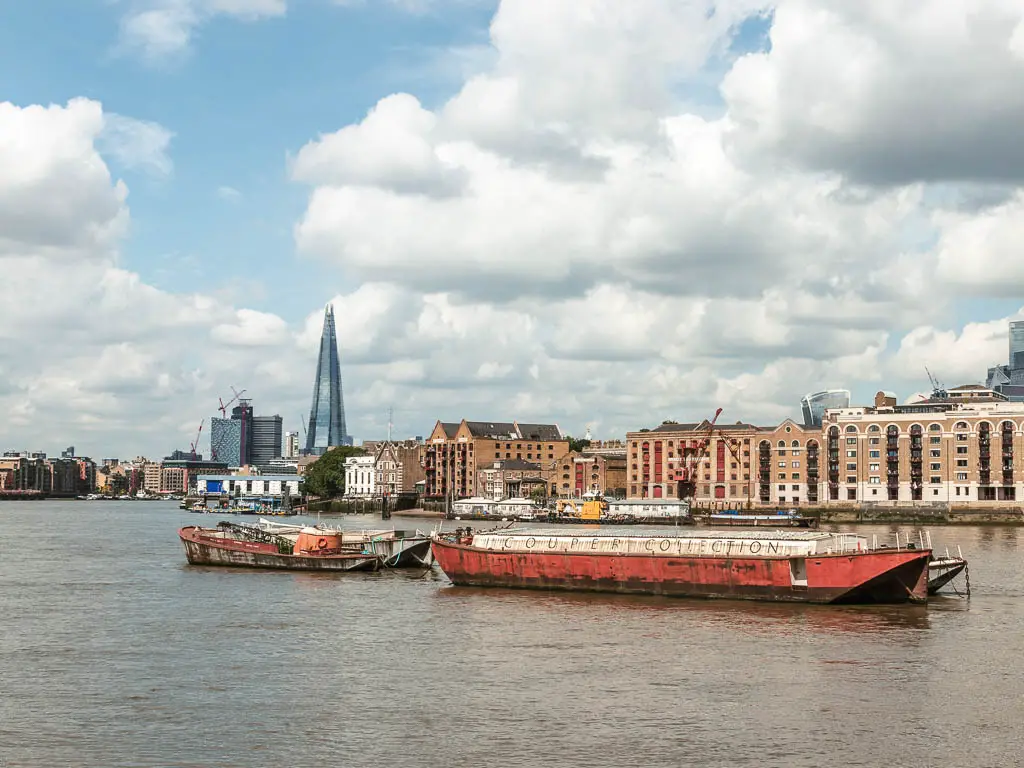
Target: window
x=851, y=441
x=961, y=462
x=794, y=487
x=782, y=443
x=934, y=480
x=851, y=428
x=961, y=438
x=961, y=449
x=874, y=440
x=782, y=464
x=795, y=444
x=961, y=475
x=873, y=468
x=935, y=492
x=782, y=451
x=934, y=428
x=782, y=487
x=934, y=467
x=934, y=440
x=875, y=480
x=874, y=428
x=851, y=454
x=874, y=454
x=851, y=494
x=935, y=454
x=796, y=464
x=851, y=480
x=851, y=467
x=796, y=475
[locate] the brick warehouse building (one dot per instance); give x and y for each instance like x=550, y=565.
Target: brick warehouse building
x=952, y=450
x=455, y=452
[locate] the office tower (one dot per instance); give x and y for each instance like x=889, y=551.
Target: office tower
x=266, y=440
x=327, y=415
x=813, y=405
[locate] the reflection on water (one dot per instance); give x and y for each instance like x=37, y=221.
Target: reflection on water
x=114, y=652
x=740, y=616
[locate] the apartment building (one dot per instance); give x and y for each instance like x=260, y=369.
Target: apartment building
x=599, y=471
x=455, y=452
x=963, y=447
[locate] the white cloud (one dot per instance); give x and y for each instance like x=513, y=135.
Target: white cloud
x=980, y=251
x=91, y=354
x=886, y=92
x=633, y=259
x=564, y=238
x=136, y=143
x=161, y=28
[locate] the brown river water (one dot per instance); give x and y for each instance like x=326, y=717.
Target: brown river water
x=115, y=652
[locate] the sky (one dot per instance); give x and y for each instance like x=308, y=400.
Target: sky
x=594, y=213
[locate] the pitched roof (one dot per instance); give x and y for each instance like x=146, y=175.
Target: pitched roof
x=539, y=431
x=674, y=427
x=449, y=428
x=495, y=429
x=517, y=464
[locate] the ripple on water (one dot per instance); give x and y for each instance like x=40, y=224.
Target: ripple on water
x=126, y=656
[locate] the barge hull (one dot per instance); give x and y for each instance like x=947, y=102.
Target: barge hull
x=255, y=555
x=877, y=577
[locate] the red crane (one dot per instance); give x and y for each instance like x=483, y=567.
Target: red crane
x=693, y=458
x=224, y=406
x=196, y=443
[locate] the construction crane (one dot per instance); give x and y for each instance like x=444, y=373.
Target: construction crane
x=224, y=406
x=693, y=459
x=938, y=392
x=195, y=444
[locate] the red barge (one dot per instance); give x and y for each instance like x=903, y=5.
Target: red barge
x=781, y=565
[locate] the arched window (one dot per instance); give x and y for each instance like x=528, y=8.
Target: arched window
x=795, y=444
x=782, y=443
x=934, y=427
x=851, y=428
x=874, y=428
x=961, y=425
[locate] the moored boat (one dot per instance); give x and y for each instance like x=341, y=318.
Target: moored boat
x=314, y=551
x=398, y=549
x=779, y=565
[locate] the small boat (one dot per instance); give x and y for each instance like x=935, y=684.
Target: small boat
x=780, y=565
x=310, y=551
x=733, y=517
x=398, y=549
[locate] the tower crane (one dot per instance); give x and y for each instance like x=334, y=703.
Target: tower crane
x=195, y=444
x=224, y=406
x=937, y=390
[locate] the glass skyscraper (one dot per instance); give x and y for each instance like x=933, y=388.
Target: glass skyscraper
x=1016, y=345
x=814, y=405
x=327, y=415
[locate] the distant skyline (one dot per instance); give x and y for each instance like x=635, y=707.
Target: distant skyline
x=594, y=212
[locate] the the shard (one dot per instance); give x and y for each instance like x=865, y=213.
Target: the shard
x=327, y=416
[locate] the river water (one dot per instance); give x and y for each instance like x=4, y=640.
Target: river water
x=115, y=652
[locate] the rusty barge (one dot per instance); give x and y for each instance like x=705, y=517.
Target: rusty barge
x=780, y=565
x=306, y=548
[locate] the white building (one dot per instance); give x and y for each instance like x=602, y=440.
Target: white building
x=291, y=445
x=360, y=476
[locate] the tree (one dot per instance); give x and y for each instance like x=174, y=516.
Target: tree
x=325, y=477
x=577, y=444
